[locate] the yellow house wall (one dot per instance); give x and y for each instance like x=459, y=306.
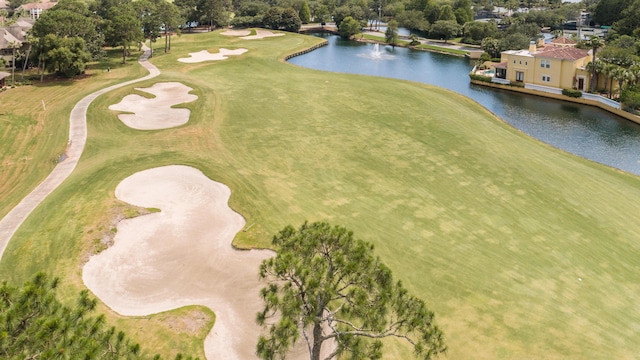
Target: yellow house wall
x=561, y=72
x=587, y=78
x=520, y=63
x=568, y=72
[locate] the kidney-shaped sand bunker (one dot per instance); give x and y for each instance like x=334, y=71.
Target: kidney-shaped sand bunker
x=182, y=256
x=156, y=113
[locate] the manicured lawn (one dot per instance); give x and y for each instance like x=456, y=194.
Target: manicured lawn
x=522, y=250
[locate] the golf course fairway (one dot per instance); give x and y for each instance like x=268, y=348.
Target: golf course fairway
x=523, y=251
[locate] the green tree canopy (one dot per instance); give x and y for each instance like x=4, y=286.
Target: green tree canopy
x=413, y=20
x=446, y=13
x=305, y=13
x=349, y=27
x=445, y=29
x=607, y=12
x=122, y=24
x=629, y=22
x=514, y=42
x=35, y=325
x=331, y=287
x=475, y=32
x=391, y=34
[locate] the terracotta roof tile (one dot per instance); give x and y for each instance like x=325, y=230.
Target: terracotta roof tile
x=43, y=6
x=564, y=53
x=563, y=40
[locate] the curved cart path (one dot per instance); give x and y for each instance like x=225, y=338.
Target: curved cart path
x=77, y=140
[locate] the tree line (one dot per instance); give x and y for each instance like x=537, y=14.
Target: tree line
x=34, y=324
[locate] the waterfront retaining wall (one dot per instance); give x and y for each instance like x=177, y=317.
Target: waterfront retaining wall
x=582, y=101
x=302, y=52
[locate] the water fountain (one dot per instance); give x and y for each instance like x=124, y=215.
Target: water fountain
x=377, y=54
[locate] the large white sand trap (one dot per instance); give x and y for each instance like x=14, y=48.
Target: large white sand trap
x=182, y=256
x=261, y=34
x=204, y=55
x=243, y=32
x=156, y=113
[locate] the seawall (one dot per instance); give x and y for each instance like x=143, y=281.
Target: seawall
x=621, y=113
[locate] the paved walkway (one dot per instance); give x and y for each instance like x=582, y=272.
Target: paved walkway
x=77, y=140
x=432, y=42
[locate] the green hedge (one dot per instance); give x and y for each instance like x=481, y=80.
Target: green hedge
x=572, y=93
x=480, y=77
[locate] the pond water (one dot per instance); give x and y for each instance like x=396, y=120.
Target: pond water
x=582, y=130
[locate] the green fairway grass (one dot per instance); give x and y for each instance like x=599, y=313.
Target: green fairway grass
x=523, y=251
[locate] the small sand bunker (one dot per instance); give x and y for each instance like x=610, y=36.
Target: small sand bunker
x=156, y=113
x=182, y=256
x=204, y=55
x=261, y=34
x=243, y=32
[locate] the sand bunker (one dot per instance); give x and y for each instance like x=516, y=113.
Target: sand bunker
x=261, y=34
x=204, y=55
x=182, y=256
x=244, y=32
x=156, y=113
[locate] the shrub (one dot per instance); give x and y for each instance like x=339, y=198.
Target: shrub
x=480, y=77
x=572, y=93
x=414, y=40
x=630, y=98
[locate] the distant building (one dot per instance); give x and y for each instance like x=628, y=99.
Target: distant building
x=36, y=9
x=557, y=65
x=14, y=35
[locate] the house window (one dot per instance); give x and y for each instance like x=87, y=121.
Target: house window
x=545, y=63
x=526, y=63
x=546, y=78
x=519, y=76
x=514, y=61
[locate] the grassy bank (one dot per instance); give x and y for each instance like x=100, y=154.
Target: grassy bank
x=522, y=250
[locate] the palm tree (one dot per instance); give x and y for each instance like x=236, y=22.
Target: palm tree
x=620, y=74
x=597, y=67
x=14, y=45
x=608, y=70
x=594, y=43
x=634, y=73
x=29, y=40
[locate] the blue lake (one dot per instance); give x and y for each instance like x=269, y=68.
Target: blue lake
x=582, y=130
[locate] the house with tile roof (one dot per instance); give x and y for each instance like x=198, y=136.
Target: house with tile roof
x=35, y=9
x=563, y=42
x=7, y=43
x=14, y=36
x=561, y=66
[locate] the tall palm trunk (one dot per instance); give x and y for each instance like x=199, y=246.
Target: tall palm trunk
x=26, y=61
x=13, y=68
